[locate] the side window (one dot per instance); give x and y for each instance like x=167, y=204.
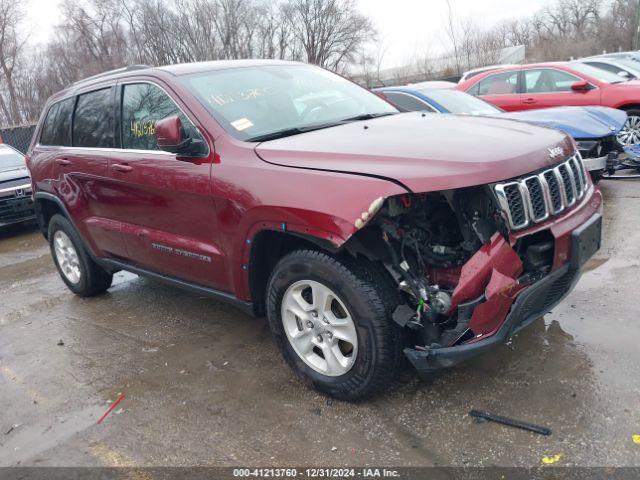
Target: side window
x=49, y=126
x=504, y=83
x=93, y=119
x=407, y=103
x=546, y=80
x=62, y=130
x=605, y=66
x=474, y=89
x=143, y=104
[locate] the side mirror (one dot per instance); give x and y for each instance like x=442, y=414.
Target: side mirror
x=580, y=86
x=624, y=74
x=171, y=137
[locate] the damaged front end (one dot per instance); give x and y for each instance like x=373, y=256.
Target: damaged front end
x=475, y=265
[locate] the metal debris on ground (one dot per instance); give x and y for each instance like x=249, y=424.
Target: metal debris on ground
x=510, y=422
x=12, y=428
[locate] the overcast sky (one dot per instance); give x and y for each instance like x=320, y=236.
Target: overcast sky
x=407, y=27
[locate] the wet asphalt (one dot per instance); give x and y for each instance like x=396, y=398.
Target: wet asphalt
x=205, y=385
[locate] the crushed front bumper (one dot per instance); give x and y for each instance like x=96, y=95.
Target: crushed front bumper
x=595, y=163
x=532, y=303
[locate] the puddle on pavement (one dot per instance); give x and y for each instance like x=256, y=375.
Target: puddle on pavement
x=26, y=441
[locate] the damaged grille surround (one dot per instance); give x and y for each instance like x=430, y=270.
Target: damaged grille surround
x=535, y=198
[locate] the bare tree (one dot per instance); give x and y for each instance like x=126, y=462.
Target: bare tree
x=330, y=31
x=12, y=45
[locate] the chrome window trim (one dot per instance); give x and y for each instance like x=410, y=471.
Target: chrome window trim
x=118, y=84
x=108, y=150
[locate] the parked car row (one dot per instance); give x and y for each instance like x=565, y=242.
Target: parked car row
x=593, y=128
x=595, y=99
x=16, y=205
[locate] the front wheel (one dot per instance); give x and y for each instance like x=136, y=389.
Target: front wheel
x=630, y=133
x=332, y=321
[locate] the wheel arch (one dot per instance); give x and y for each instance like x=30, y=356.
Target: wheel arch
x=629, y=106
x=46, y=206
x=267, y=247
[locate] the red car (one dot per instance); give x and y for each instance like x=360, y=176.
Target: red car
x=544, y=85
x=360, y=232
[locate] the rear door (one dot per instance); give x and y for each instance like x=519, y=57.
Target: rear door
x=164, y=204
x=550, y=87
x=79, y=142
x=501, y=89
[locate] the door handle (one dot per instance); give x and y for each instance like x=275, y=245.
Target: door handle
x=121, y=168
x=63, y=162
x=529, y=100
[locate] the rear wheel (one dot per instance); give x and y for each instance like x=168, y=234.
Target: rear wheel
x=80, y=273
x=331, y=320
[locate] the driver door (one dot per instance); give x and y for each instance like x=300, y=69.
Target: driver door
x=164, y=204
x=550, y=87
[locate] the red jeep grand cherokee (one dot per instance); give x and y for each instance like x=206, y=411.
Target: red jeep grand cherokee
x=362, y=233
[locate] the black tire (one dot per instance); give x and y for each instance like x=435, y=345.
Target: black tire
x=94, y=280
x=370, y=299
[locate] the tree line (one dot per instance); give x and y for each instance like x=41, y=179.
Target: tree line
x=562, y=30
x=99, y=35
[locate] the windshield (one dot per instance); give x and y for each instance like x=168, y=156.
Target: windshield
x=629, y=63
x=460, y=102
x=10, y=159
x=254, y=102
x=597, y=73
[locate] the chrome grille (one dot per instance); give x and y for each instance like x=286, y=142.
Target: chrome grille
x=535, y=198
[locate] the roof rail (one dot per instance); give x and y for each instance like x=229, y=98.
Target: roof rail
x=113, y=72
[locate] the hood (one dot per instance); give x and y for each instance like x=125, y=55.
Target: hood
x=584, y=123
x=10, y=173
x=423, y=152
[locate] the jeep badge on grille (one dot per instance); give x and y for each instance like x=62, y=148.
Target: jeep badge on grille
x=555, y=152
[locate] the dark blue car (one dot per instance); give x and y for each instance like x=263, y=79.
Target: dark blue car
x=593, y=128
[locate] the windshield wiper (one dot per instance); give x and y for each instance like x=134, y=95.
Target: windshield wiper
x=367, y=116
x=288, y=132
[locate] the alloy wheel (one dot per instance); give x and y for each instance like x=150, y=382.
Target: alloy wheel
x=630, y=133
x=67, y=256
x=319, y=327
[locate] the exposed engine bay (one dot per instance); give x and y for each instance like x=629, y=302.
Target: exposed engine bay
x=450, y=255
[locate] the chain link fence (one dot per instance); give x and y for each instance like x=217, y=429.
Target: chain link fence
x=19, y=137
